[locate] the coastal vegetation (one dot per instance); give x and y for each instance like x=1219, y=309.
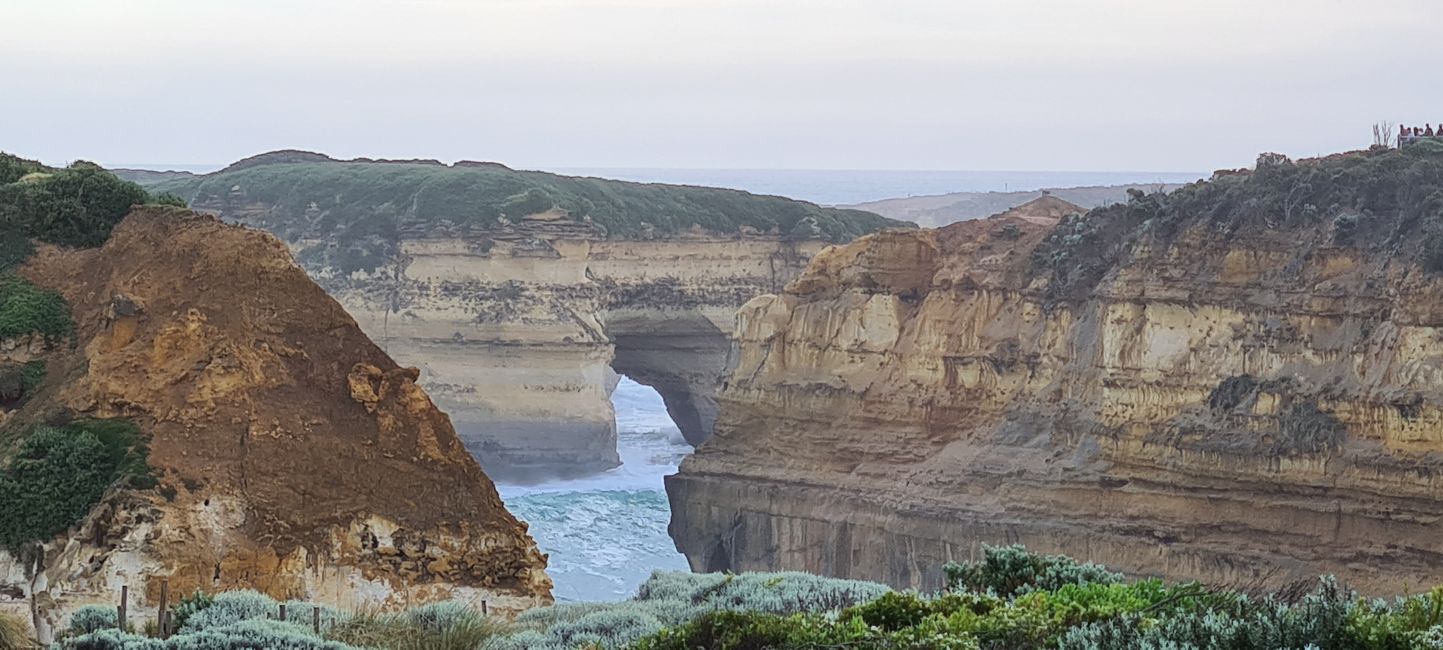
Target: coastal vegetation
x=1009, y=599
x=359, y=208
x=58, y=473
x=74, y=206
x=52, y=475
x=1384, y=201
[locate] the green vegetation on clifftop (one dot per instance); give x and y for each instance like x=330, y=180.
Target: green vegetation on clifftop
x=366, y=204
x=74, y=206
x=1385, y=201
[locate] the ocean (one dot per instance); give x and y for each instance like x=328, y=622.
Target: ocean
x=606, y=533
x=849, y=186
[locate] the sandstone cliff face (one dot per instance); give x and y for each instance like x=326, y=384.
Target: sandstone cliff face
x=521, y=295
x=520, y=339
x=294, y=456
x=1253, y=400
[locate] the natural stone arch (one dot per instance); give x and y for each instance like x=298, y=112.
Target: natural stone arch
x=520, y=340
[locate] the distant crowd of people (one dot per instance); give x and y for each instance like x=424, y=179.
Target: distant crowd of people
x=1411, y=134
x=1426, y=131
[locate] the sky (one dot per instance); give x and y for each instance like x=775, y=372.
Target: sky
x=1087, y=85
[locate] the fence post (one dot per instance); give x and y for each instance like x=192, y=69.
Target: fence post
x=316, y=618
x=120, y=611
x=283, y=612
x=483, y=609
x=163, y=618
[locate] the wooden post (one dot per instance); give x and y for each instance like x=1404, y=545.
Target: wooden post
x=316, y=619
x=120, y=611
x=483, y=609
x=163, y=618
x=283, y=612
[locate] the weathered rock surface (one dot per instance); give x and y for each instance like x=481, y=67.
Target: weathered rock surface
x=521, y=343
x=520, y=316
x=294, y=456
x=1243, y=399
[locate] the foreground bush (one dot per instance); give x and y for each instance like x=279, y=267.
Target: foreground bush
x=439, y=626
x=246, y=619
x=1009, y=600
x=673, y=598
x=1017, y=600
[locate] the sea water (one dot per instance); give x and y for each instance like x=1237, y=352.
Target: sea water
x=606, y=533
x=848, y=186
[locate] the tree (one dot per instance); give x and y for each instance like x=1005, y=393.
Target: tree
x=1383, y=134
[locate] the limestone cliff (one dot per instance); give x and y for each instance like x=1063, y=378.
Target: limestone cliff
x=1239, y=382
x=293, y=455
x=521, y=295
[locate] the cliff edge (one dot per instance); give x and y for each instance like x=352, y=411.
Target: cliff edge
x=1238, y=382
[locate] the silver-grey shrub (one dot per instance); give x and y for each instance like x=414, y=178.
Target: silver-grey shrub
x=673, y=598
x=92, y=618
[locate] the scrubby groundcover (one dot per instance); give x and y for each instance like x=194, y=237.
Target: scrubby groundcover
x=1011, y=599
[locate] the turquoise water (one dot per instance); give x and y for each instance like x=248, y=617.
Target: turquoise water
x=606, y=533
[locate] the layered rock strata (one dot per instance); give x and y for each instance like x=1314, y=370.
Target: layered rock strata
x=521, y=295
x=293, y=455
x=520, y=338
x=1236, y=384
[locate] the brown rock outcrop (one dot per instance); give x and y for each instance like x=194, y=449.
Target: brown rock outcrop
x=294, y=456
x=1212, y=389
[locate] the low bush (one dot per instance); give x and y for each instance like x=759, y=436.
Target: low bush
x=673, y=598
x=92, y=618
x=26, y=309
x=59, y=473
x=1010, y=570
x=242, y=635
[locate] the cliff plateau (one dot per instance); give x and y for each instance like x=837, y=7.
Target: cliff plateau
x=1238, y=382
x=291, y=454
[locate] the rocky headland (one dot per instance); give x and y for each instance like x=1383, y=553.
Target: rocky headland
x=521, y=295
x=1239, y=382
x=274, y=446
x=941, y=209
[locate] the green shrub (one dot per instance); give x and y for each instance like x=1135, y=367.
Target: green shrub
x=1010, y=570
x=167, y=198
x=75, y=206
x=58, y=474
x=188, y=607
x=531, y=201
x=26, y=309
x=15, y=248
x=92, y=618
x=242, y=635
x=228, y=608
x=32, y=375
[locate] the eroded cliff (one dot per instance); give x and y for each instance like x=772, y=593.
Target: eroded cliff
x=291, y=454
x=521, y=295
x=1238, y=382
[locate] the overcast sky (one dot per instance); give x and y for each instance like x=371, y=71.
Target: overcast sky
x=828, y=84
